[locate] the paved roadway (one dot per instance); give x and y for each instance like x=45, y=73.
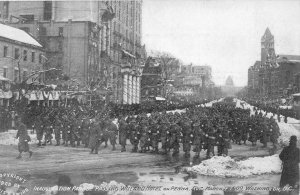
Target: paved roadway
x=50, y=162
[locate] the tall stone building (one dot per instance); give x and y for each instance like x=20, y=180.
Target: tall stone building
x=274, y=76
x=97, y=43
x=253, y=78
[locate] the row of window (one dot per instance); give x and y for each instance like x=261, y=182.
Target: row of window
x=25, y=55
x=16, y=76
x=123, y=16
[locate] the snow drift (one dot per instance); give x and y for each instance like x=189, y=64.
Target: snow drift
x=8, y=138
x=227, y=167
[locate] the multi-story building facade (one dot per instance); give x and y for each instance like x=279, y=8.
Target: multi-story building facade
x=20, y=55
x=152, y=82
x=95, y=42
x=275, y=75
x=195, y=75
x=21, y=60
x=194, y=82
x=253, y=78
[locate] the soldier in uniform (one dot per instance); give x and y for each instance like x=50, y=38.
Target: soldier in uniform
x=122, y=133
x=210, y=141
x=39, y=130
x=238, y=132
x=244, y=132
x=85, y=132
x=274, y=133
x=278, y=116
x=133, y=135
x=154, y=135
x=67, y=132
x=285, y=118
x=63, y=126
x=198, y=138
x=175, y=132
x=94, y=138
x=24, y=138
x=187, y=136
x=49, y=131
x=223, y=142
x=57, y=130
x=264, y=134
x=78, y=131
x=145, y=139
x=113, y=132
x=253, y=131
x=165, y=136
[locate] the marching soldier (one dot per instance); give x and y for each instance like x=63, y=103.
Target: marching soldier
x=264, y=135
x=223, y=143
x=24, y=138
x=85, y=132
x=187, y=136
x=122, y=133
x=210, y=141
x=145, y=139
x=165, y=136
x=57, y=130
x=133, y=135
x=285, y=118
x=49, y=131
x=67, y=133
x=198, y=138
x=244, y=132
x=154, y=134
x=78, y=132
x=113, y=132
x=39, y=130
x=94, y=138
x=175, y=132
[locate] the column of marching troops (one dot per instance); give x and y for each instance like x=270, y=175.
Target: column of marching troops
x=199, y=128
x=274, y=108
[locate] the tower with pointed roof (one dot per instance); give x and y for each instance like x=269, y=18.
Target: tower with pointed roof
x=268, y=56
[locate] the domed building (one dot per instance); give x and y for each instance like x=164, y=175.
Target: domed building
x=229, y=89
x=229, y=81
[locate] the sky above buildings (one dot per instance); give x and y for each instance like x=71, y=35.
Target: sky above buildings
x=223, y=34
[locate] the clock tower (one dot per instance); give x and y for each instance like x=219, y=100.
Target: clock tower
x=268, y=56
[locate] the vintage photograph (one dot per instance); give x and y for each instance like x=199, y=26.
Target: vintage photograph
x=150, y=97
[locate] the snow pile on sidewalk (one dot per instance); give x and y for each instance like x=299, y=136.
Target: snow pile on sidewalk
x=177, y=110
x=209, y=104
x=8, y=138
x=287, y=130
x=227, y=167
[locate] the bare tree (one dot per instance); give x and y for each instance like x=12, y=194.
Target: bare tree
x=170, y=64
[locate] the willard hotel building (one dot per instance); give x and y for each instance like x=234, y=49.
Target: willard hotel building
x=91, y=41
